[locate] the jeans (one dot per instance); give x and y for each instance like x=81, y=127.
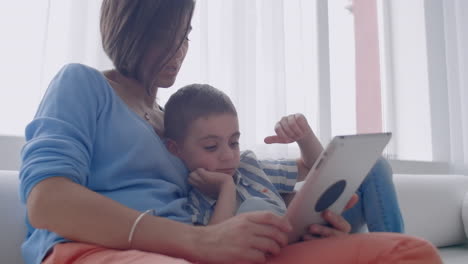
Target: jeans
x=378, y=204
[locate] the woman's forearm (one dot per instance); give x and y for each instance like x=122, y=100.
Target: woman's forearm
x=79, y=214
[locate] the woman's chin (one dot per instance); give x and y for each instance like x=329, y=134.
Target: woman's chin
x=166, y=83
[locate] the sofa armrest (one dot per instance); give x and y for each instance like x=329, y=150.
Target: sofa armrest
x=465, y=214
x=432, y=206
x=12, y=221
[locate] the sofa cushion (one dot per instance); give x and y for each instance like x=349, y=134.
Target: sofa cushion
x=12, y=225
x=465, y=214
x=10, y=149
x=432, y=206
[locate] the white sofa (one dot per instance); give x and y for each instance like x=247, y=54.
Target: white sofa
x=434, y=207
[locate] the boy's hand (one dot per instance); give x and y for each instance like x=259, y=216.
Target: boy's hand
x=289, y=129
x=210, y=183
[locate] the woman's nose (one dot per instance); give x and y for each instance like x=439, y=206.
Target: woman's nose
x=180, y=54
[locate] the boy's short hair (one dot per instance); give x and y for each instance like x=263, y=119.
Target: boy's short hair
x=190, y=103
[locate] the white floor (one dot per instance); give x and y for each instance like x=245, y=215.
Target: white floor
x=454, y=255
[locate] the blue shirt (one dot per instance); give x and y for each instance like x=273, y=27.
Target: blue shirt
x=85, y=132
x=265, y=179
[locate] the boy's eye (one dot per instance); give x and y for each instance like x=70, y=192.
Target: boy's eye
x=210, y=148
x=235, y=144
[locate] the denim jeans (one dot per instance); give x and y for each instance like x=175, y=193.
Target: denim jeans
x=378, y=204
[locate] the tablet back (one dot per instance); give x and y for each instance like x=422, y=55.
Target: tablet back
x=335, y=176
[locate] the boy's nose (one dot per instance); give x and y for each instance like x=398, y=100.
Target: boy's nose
x=227, y=155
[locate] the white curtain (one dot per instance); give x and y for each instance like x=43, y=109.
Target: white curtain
x=456, y=17
x=261, y=53
x=427, y=67
x=38, y=38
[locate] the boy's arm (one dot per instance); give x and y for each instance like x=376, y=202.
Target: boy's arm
x=217, y=186
x=296, y=128
x=226, y=204
x=310, y=148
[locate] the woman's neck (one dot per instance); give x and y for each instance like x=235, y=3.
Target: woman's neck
x=133, y=88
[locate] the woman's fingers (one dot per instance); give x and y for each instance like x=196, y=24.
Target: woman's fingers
x=352, y=202
x=322, y=231
x=268, y=218
x=249, y=237
x=337, y=222
x=338, y=227
x=266, y=246
x=271, y=233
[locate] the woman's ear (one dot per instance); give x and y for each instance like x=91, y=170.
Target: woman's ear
x=171, y=145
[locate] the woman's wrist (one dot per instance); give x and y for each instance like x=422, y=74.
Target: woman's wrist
x=167, y=237
x=195, y=243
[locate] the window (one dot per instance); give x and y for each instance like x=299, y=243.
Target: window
x=349, y=66
x=423, y=82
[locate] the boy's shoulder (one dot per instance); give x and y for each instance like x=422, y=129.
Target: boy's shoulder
x=247, y=159
x=247, y=153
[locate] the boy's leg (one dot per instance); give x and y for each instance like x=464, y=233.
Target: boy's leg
x=378, y=204
x=370, y=248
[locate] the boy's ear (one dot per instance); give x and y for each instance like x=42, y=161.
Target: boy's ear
x=171, y=145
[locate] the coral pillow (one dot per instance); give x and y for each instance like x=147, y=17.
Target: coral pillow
x=361, y=248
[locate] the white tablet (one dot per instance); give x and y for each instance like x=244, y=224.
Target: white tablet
x=334, y=178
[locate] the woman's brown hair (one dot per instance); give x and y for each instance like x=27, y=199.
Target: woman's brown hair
x=130, y=27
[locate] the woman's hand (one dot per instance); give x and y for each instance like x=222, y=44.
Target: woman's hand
x=245, y=238
x=208, y=182
x=338, y=225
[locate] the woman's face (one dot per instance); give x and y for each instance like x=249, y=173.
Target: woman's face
x=167, y=75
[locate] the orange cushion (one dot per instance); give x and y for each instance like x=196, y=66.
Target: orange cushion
x=361, y=248
x=357, y=248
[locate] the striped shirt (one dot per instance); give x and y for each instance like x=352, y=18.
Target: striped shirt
x=254, y=178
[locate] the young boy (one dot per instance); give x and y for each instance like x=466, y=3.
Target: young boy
x=201, y=128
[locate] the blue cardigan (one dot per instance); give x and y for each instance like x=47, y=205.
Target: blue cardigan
x=85, y=132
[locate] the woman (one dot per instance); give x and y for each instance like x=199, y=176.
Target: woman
x=99, y=184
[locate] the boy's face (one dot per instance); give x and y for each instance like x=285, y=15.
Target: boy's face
x=212, y=143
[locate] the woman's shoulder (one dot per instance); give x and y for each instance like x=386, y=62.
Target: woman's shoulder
x=78, y=79
x=78, y=70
